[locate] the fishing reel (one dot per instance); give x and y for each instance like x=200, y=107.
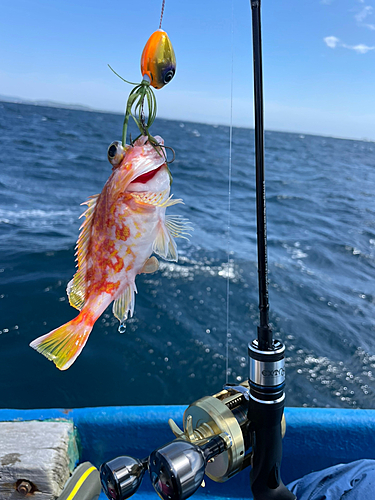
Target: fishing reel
x=216, y=440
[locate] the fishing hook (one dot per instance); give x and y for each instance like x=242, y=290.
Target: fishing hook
x=174, y=155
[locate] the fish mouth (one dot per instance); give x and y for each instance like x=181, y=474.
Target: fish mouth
x=144, y=178
x=144, y=160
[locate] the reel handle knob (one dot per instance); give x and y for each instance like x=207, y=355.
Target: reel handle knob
x=122, y=476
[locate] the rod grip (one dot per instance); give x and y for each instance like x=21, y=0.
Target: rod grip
x=266, y=483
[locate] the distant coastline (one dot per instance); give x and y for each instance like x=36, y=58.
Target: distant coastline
x=80, y=107
x=51, y=104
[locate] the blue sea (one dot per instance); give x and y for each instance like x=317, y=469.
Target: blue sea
x=321, y=230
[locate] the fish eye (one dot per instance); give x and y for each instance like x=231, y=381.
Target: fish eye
x=112, y=150
x=115, y=153
x=168, y=76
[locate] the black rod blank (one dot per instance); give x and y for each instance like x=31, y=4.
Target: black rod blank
x=264, y=331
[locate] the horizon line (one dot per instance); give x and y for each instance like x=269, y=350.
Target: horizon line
x=82, y=107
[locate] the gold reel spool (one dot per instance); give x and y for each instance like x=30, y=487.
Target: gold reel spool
x=212, y=415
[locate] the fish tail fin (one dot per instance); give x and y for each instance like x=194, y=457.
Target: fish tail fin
x=64, y=344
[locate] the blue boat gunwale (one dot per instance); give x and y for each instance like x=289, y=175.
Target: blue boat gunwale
x=316, y=438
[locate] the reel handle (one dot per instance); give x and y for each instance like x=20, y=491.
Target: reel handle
x=266, y=483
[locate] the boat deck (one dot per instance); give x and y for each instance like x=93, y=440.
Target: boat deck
x=315, y=438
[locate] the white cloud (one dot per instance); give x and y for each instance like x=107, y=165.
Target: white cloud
x=360, y=48
x=370, y=26
x=366, y=11
x=331, y=41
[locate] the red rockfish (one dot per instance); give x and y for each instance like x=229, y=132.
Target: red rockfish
x=124, y=225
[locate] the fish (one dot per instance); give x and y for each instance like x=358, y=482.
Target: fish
x=123, y=226
x=158, y=60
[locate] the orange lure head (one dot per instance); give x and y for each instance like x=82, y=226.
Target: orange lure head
x=158, y=60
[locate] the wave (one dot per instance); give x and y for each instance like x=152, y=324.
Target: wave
x=321, y=264
x=33, y=215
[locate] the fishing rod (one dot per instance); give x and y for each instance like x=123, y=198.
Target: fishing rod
x=243, y=424
x=264, y=330
x=267, y=365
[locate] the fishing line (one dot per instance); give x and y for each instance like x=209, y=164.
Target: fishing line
x=229, y=206
x=162, y=14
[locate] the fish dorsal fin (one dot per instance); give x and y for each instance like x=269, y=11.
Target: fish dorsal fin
x=84, y=236
x=124, y=305
x=76, y=289
x=164, y=244
x=156, y=199
x=151, y=265
x=178, y=227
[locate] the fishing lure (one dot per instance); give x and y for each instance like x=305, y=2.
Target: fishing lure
x=158, y=67
x=124, y=225
x=158, y=61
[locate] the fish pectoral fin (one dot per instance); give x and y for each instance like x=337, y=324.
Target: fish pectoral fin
x=178, y=227
x=149, y=198
x=164, y=244
x=151, y=265
x=169, y=202
x=76, y=289
x=124, y=305
x=138, y=205
x=156, y=199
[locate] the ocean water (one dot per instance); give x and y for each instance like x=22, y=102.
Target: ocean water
x=321, y=229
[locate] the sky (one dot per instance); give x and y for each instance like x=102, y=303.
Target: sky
x=318, y=59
